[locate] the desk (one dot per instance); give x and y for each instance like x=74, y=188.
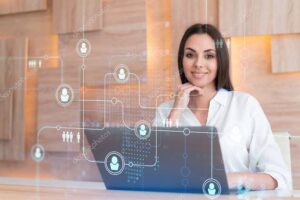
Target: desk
x=26, y=192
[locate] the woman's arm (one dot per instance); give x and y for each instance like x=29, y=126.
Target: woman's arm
x=252, y=181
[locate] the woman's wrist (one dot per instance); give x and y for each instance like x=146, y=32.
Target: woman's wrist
x=173, y=117
x=251, y=181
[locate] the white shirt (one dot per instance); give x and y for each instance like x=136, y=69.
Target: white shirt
x=246, y=138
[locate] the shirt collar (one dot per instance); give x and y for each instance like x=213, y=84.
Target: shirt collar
x=221, y=96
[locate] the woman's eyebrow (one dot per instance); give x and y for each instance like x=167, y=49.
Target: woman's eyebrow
x=188, y=48
x=208, y=50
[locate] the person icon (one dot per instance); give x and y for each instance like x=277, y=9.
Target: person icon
x=83, y=48
x=211, y=189
x=142, y=130
x=122, y=74
x=78, y=137
x=114, y=164
x=67, y=136
x=71, y=136
x=64, y=97
x=64, y=136
x=37, y=153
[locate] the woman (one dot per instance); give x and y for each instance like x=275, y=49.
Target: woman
x=251, y=157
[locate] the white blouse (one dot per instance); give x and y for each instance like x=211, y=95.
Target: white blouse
x=246, y=138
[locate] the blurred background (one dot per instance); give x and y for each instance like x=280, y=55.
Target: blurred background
x=38, y=54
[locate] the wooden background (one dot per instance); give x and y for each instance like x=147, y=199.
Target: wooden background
x=144, y=35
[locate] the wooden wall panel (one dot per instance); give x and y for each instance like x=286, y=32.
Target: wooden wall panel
x=155, y=62
x=122, y=41
x=285, y=53
x=6, y=117
x=114, y=49
x=255, y=17
x=159, y=52
x=73, y=15
x=124, y=16
x=19, y=6
x=27, y=25
x=7, y=82
x=14, y=56
x=45, y=48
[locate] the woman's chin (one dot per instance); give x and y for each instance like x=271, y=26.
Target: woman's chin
x=198, y=84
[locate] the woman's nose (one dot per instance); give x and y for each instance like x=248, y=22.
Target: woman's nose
x=199, y=63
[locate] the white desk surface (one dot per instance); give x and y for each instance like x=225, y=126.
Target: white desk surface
x=56, y=190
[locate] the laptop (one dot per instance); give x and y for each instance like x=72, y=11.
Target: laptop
x=183, y=159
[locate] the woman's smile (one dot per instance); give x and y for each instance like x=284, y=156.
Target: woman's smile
x=199, y=75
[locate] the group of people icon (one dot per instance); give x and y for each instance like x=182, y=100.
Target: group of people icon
x=33, y=64
x=67, y=136
x=169, y=123
x=219, y=43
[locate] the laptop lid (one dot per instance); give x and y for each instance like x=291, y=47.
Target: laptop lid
x=184, y=159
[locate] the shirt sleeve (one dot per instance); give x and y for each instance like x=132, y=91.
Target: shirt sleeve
x=161, y=115
x=265, y=155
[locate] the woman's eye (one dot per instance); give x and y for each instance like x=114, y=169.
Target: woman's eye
x=189, y=55
x=209, y=56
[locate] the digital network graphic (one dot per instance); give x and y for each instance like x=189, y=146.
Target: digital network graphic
x=131, y=158
x=135, y=147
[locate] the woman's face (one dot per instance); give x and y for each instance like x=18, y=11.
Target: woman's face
x=200, y=61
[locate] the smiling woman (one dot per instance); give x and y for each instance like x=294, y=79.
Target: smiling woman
x=206, y=97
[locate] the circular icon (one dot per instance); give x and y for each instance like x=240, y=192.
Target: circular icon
x=185, y=155
x=37, y=152
x=46, y=57
x=172, y=95
x=130, y=164
x=211, y=188
x=114, y=100
x=121, y=73
x=212, y=132
x=83, y=47
x=114, y=163
x=64, y=94
x=142, y=129
x=186, y=131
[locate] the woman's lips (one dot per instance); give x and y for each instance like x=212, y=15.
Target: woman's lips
x=199, y=74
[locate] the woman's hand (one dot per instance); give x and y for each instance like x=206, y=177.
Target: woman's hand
x=182, y=100
x=235, y=180
x=251, y=181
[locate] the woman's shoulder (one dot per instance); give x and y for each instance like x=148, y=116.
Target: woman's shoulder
x=243, y=98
